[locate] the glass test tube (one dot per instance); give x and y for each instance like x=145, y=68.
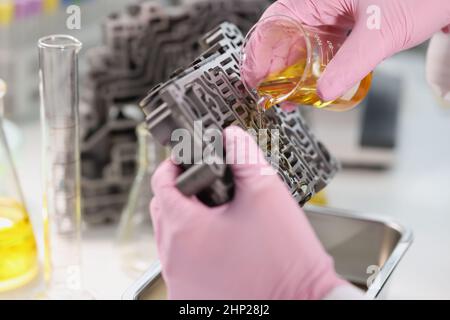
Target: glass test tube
x=58, y=72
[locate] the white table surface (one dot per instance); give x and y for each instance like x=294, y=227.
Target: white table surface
x=416, y=192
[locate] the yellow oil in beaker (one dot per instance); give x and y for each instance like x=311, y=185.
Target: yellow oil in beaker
x=18, y=251
x=285, y=81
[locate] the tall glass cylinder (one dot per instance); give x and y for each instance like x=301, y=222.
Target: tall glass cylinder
x=58, y=72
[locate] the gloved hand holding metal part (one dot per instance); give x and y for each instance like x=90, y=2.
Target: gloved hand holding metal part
x=260, y=245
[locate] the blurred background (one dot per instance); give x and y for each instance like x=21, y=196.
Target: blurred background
x=393, y=147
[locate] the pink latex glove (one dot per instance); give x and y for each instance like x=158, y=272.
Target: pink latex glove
x=258, y=246
x=403, y=24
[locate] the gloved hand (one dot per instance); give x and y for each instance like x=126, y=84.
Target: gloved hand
x=258, y=246
x=438, y=65
x=403, y=24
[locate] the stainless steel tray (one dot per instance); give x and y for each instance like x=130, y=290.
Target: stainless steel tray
x=366, y=250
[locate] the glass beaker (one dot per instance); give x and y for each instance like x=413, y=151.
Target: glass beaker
x=18, y=251
x=58, y=73
x=282, y=60
x=136, y=242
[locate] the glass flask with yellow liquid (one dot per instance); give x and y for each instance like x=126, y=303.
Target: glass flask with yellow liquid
x=282, y=60
x=18, y=252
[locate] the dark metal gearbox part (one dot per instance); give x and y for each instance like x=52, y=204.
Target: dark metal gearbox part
x=210, y=91
x=141, y=47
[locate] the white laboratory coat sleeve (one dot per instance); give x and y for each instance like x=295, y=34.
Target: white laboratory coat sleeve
x=346, y=292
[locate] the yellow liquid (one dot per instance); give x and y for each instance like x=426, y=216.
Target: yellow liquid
x=50, y=6
x=319, y=199
x=6, y=12
x=278, y=85
x=18, y=252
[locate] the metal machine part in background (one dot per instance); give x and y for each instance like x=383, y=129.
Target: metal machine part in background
x=210, y=91
x=142, y=47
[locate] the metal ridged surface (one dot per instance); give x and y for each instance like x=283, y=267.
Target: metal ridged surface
x=142, y=46
x=210, y=90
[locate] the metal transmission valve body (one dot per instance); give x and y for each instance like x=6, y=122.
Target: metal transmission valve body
x=210, y=90
x=141, y=47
